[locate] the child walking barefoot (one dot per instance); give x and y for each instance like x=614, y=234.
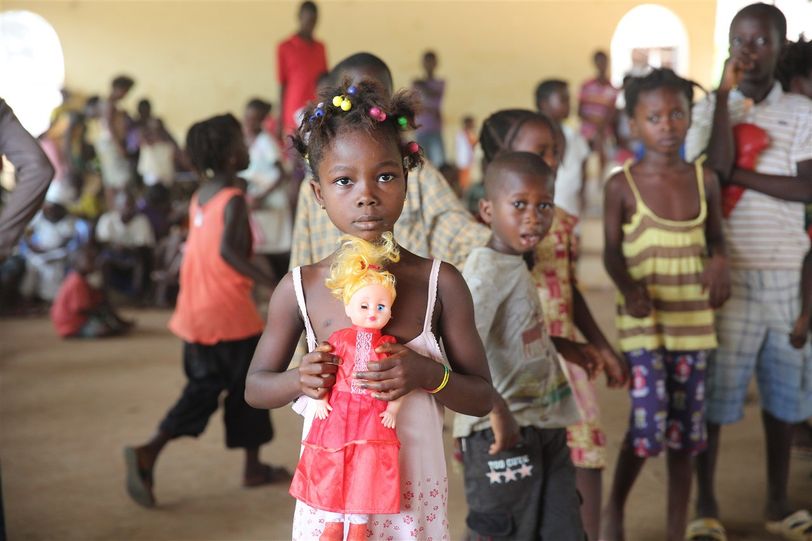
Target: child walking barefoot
x=360, y=164
x=215, y=314
x=563, y=305
x=662, y=218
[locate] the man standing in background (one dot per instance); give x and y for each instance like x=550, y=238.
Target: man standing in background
x=300, y=61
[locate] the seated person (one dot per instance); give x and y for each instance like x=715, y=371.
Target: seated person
x=127, y=241
x=81, y=309
x=49, y=238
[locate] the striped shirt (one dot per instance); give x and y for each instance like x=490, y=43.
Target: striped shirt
x=668, y=256
x=764, y=232
x=434, y=223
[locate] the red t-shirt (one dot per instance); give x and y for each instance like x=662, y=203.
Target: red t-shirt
x=299, y=64
x=75, y=297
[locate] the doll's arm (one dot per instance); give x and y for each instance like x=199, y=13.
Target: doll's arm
x=323, y=408
x=390, y=414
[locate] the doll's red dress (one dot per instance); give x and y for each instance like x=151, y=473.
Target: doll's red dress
x=349, y=461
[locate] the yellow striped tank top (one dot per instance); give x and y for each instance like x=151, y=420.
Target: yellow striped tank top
x=668, y=257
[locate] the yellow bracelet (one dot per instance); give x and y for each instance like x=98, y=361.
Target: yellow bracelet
x=446, y=376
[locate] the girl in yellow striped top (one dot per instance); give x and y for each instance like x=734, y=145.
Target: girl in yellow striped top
x=665, y=252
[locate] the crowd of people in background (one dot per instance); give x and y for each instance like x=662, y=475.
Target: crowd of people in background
x=134, y=217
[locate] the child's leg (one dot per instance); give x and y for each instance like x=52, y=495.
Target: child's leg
x=246, y=427
x=560, y=506
x=686, y=434
x=644, y=438
x=589, y=482
x=188, y=417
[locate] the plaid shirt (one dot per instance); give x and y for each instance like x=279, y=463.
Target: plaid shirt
x=434, y=223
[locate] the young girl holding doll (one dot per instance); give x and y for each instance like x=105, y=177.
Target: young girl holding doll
x=352, y=141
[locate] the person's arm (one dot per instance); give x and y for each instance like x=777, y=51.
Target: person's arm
x=235, y=245
x=506, y=431
x=282, y=77
x=721, y=149
x=716, y=276
x=33, y=175
x=638, y=302
x=613, y=365
x=270, y=383
x=797, y=188
x=468, y=389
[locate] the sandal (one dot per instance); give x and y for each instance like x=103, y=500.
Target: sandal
x=705, y=529
x=139, y=481
x=795, y=527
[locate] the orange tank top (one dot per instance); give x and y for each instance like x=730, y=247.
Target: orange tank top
x=214, y=303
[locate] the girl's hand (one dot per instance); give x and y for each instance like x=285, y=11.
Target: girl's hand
x=716, y=280
x=317, y=371
x=400, y=372
x=638, y=303
x=615, y=367
x=323, y=409
x=583, y=355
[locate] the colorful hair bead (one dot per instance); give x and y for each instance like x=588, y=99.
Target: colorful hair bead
x=318, y=113
x=412, y=147
x=337, y=101
x=403, y=122
x=377, y=114
x=346, y=104
x=352, y=90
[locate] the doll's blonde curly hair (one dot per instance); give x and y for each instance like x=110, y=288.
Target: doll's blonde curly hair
x=360, y=263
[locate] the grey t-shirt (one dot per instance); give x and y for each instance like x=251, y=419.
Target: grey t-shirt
x=524, y=364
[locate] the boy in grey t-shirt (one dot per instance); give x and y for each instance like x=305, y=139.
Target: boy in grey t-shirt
x=519, y=479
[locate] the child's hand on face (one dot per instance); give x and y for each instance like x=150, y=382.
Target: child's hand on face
x=317, y=371
x=506, y=434
x=733, y=72
x=638, y=303
x=399, y=373
x=615, y=367
x=716, y=280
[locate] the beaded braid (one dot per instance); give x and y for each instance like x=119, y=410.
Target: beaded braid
x=357, y=106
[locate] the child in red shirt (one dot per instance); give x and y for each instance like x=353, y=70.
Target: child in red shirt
x=80, y=309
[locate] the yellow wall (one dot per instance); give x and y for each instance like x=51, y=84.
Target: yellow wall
x=194, y=59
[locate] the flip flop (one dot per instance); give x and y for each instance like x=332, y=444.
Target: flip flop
x=270, y=475
x=705, y=529
x=139, y=481
x=795, y=527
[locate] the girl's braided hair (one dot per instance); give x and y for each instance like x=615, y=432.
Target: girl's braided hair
x=370, y=109
x=501, y=128
x=210, y=142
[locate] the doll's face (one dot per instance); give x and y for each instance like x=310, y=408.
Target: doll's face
x=370, y=307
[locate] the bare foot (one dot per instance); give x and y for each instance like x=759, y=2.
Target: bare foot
x=266, y=474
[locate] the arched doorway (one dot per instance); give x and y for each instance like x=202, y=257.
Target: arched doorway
x=648, y=36
x=32, y=67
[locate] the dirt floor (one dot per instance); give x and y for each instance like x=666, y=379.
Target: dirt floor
x=67, y=408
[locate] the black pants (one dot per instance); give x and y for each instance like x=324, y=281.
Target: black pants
x=523, y=494
x=210, y=371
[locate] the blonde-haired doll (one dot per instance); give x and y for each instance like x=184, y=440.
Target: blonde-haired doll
x=349, y=462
